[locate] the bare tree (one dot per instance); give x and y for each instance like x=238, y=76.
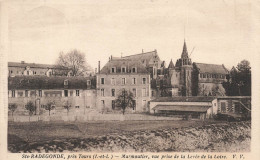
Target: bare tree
x=12, y=107
x=67, y=106
x=50, y=106
x=73, y=61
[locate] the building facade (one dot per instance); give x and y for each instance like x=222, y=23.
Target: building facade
x=77, y=92
x=29, y=69
x=123, y=75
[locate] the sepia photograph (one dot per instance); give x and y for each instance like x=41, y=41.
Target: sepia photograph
x=129, y=76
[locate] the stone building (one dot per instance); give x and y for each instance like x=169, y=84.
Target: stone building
x=78, y=92
x=28, y=69
x=195, y=79
x=120, y=74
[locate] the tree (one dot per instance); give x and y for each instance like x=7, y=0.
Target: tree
x=30, y=107
x=239, y=80
x=125, y=99
x=73, y=61
x=12, y=107
x=67, y=106
x=50, y=106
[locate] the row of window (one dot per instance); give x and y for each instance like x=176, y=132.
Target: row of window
x=123, y=81
x=27, y=72
x=123, y=70
x=113, y=92
x=204, y=75
x=26, y=93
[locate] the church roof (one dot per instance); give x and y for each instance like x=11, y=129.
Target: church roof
x=43, y=82
x=119, y=63
x=184, y=51
x=171, y=65
x=211, y=68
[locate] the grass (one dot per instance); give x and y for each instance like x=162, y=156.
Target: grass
x=44, y=131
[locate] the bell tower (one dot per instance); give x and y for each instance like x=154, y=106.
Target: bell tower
x=186, y=68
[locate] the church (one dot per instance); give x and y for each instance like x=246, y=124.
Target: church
x=189, y=78
x=184, y=78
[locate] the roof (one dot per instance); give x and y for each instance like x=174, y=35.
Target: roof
x=32, y=65
x=43, y=82
x=128, y=63
x=234, y=97
x=184, y=51
x=147, y=56
x=184, y=99
x=211, y=68
x=181, y=108
x=171, y=65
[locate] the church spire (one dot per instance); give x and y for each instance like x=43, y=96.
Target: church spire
x=184, y=51
x=171, y=65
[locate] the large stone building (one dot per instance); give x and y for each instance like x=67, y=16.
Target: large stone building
x=120, y=74
x=195, y=79
x=78, y=92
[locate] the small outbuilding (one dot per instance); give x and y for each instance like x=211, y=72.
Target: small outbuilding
x=192, y=107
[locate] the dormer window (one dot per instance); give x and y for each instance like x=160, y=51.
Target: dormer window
x=113, y=70
x=123, y=69
x=134, y=70
x=66, y=82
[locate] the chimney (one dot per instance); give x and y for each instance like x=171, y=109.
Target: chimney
x=22, y=62
x=98, y=66
x=142, y=50
x=95, y=70
x=111, y=57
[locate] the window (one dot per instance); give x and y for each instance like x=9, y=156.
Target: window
x=144, y=92
x=102, y=92
x=66, y=93
x=134, y=92
x=123, y=69
x=76, y=106
x=204, y=75
x=40, y=93
x=77, y=92
x=42, y=106
x=66, y=82
x=152, y=93
x=134, y=70
x=113, y=81
x=13, y=93
x=144, y=80
x=88, y=82
x=134, y=81
x=113, y=104
x=102, y=80
x=200, y=75
x=113, y=70
x=113, y=94
x=123, y=81
x=207, y=75
x=26, y=93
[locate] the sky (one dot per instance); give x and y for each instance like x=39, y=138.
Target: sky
x=216, y=32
